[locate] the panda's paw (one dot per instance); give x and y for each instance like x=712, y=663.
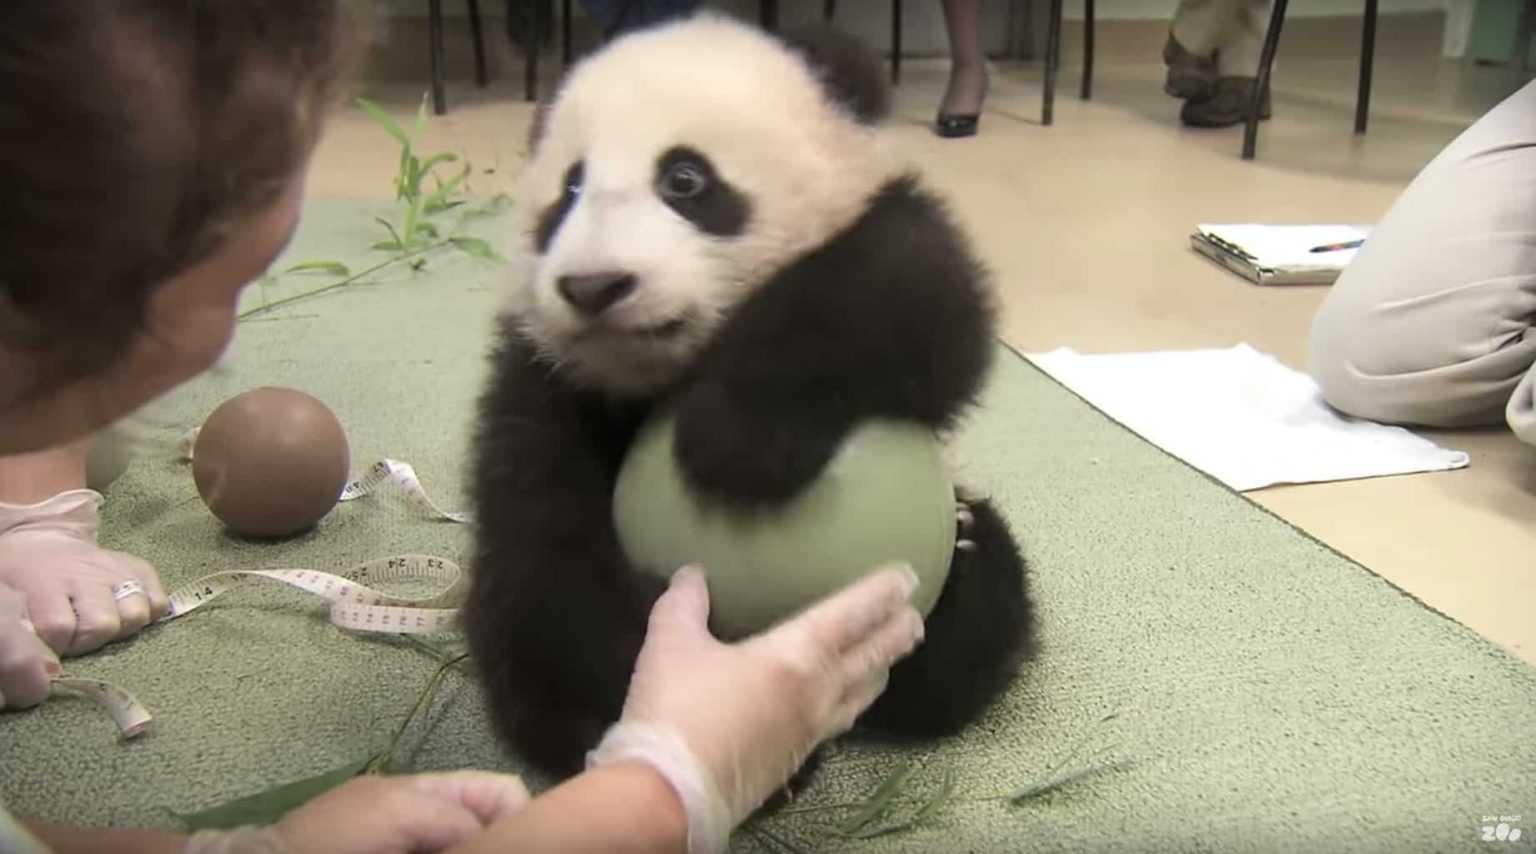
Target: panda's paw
x=746, y=455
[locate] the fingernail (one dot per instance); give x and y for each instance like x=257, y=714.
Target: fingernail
x=919, y=628
x=52, y=668
x=687, y=571
x=909, y=580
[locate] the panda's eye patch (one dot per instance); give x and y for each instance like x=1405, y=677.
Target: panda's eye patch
x=684, y=180
x=687, y=183
x=573, y=179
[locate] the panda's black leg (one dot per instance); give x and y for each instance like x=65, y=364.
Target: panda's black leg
x=976, y=636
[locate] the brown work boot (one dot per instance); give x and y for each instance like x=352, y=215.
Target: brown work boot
x=1227, y=105
x=1189, y=76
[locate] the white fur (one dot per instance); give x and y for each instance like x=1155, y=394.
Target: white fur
x=753, y=108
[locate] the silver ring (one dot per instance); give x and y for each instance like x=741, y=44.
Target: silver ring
x=126, y=589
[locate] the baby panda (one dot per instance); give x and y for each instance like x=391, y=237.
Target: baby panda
x=713, y=220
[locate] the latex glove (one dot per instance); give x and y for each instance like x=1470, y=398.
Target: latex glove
x=48, y=551
x=413, y=814
x=26, y=663
x=727, y=725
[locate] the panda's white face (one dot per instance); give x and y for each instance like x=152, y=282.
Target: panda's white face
x=679, y=169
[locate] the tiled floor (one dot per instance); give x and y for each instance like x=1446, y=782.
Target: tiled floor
x=1086, y=223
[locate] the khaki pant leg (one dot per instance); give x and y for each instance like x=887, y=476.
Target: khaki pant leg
x=1240, y=46
x=1431, y=323
x=1200, y=25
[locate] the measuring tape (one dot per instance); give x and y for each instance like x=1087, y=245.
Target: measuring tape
x=354, y=605
x=403, y=478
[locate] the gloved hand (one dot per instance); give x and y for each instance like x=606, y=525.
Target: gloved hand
x=727, y=725
x=78, y=596
x=26, y=663
x=414, y=814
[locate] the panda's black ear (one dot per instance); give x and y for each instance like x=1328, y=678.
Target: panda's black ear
x=851, y=72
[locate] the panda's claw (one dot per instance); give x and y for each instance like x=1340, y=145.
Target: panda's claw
x=964, y=517
x=965, y=545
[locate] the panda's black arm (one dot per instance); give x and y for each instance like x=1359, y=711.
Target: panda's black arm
x=891, y=318
x=555, y=618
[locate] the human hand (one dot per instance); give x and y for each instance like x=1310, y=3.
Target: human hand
x=79, y=596
x=728, y=724
x=415, y=814
x=26, y=663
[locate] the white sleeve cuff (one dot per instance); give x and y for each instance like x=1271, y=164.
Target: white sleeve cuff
x=709, y=822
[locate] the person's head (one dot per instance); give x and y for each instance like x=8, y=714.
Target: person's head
x=152, y=154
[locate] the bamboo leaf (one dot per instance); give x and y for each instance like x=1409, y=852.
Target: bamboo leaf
x=421, y=114
x=388, y=245
x=880, y=801
x=434, y=160
x=1058, y=781
x=383, y=119
x=271, y=805
x=931, y=807
x=497, y=204
x=398, y=244
x=476, y=247
x=439, y=197
x=328, y=268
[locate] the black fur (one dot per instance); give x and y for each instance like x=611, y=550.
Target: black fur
x=852, y=75
x=889, y=318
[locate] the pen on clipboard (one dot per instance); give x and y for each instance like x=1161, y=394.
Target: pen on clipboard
x=1338, y=247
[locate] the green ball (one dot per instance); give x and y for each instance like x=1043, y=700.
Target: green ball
x=885, y=497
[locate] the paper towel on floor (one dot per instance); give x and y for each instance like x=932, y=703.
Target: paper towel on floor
x=1241, y=416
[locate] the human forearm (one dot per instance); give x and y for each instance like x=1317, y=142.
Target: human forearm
x=40, y=475
x=68, y=840
x=624, y=808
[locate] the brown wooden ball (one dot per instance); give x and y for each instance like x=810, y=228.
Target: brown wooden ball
x=271, y=462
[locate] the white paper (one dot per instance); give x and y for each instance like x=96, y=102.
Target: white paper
x=1289, y=247
x=1242, y=417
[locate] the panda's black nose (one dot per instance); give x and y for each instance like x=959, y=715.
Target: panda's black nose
x=592, y=293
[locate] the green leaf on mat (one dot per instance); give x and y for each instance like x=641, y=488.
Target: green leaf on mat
x=497, y=204
x=329, y=268
x=271, y=805
x=880, y=801
x=398, y=243
x=1057, y=781
x=385, y=120
x=476, y=247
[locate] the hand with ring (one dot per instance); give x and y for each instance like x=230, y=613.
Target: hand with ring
x=79, y=596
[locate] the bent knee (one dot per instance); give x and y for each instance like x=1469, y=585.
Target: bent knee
x=1371, y=370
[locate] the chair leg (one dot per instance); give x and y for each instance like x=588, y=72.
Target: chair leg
x=1087, y=91
x=567, y=53
x=895, y=42
x=1052, y=60
x=535, y=42
x=768, y=12
x=435, y=38
x=481, y=78
x=1261, y=80
x=1367, y=58
x=828, y=10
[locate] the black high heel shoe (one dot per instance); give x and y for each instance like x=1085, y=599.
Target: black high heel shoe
x=954, y=126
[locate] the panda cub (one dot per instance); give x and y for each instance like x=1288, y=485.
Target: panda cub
x=712, y=219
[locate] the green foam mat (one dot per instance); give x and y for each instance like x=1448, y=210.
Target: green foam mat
x=1267, y=694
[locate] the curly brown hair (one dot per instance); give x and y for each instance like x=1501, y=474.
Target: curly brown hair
x=133, y=134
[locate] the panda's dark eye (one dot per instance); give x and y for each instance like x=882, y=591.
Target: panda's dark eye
x=684, y=180
x=573, y=178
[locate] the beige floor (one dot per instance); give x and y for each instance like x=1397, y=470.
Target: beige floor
x=1086, y=224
